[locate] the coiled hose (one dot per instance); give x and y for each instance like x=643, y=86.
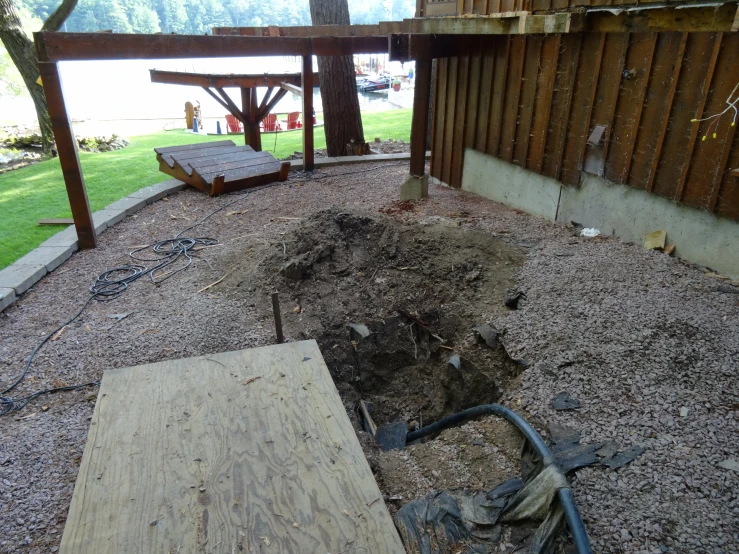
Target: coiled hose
x=572, y=514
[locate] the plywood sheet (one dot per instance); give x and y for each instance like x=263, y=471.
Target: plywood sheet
x=247, y=451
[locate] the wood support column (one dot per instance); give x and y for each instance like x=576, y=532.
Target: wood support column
x=308, y=145
x=419, y=124
x=69, y=159
x=251, y=120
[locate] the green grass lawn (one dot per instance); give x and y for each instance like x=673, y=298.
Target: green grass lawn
x=38, y=192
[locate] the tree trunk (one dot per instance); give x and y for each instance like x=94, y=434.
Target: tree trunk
x=342, y=118
x=23, y=53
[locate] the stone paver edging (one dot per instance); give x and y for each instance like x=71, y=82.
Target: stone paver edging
x=20, y=276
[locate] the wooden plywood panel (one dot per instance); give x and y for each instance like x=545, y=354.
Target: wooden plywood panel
x=658, y=103
x=561, y=110
x=706, y=172
x=582, y=105
x=628, y=113
x=513, y=82
x=543, y=103
x=248, y=451
x=688, y=102
x=529, y=81
x=472, y=115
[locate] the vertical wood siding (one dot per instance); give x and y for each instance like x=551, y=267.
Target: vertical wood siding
x=533, y=100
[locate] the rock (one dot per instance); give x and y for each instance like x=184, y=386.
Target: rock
x=730, y=464
x=683, y=412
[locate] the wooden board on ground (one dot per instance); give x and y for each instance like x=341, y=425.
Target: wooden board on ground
x=209, y=166
x=246, y=451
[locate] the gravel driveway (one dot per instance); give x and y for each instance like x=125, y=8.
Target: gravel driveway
x=644, y=341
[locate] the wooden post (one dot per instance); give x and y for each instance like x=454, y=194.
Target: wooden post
x=308, y=145
x=69, y=159
x=278, y=317
x=252, y=137
x=419, y=124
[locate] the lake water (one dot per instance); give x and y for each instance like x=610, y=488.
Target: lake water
x=118, y=96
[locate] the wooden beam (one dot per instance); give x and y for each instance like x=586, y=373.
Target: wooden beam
x=266, y=98
x=69, y=158
x=308, y=144
x=55, y=47
x=233, y=108
x=222, y=81
x=314, y=31
x=237, y=114
x=419, y=124
x=263, y=112
x=255, y=137
x=296, y=90
x=642, y=19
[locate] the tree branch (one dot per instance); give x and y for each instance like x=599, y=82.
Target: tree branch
x=60, y=15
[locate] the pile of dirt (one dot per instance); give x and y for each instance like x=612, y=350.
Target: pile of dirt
x=392, y=307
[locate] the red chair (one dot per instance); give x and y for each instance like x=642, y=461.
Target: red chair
x=292, y=120
x=269, y=123
x=234, y=125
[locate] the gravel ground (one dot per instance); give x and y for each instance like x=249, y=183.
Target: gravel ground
x=634, y=335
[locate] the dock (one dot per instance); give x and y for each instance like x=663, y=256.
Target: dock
x=245, y=451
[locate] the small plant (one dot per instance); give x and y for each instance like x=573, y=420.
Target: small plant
x=716, y=118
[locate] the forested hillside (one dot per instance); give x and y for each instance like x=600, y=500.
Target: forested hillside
x=198, y=16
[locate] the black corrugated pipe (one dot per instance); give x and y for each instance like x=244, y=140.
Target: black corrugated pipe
x=574, y=520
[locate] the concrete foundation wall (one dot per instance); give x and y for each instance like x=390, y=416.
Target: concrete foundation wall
x=617, y=210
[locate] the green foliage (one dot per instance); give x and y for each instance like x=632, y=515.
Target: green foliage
x=36, y=192
x=11, y=83
x=199, y=16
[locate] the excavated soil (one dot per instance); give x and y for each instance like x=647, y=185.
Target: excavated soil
x=416, y=292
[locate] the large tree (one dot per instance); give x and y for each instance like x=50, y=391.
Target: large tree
x=23, y=53
x=343, y=121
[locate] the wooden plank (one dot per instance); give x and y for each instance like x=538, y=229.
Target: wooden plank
x=69, y=159
x=688, y=19
x=311, y=31
x=529, y=81
x=688, y=156
x=727, y=204
x=185, y=157
x=668, y=59
x=473, y=115
x=627, y=117
x=219, y=453
x=706, y=172
x=242, y=173
x=211, y=166
x=308, y=142
x=419, y=124
x=114, y=46
x=548, y=61
x=460, y=113
x=604, y=108
x=440, y=103
x=561, y=110
x=199, y=146
x=484, y=96
x=222, y=81
x=688, y=98
x=292, y=88
x=497, y=98
x=451, y=107
x=512, y=95
x=56, y=221
x=582, y=107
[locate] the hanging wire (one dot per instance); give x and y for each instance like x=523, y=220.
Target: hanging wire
x=716, y=118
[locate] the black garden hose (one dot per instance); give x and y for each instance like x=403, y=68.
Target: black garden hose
x=574, y=520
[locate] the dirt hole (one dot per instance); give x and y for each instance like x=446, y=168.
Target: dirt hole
x=418, y=290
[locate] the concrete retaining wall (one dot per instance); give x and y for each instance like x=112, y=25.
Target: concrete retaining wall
x=617, y=210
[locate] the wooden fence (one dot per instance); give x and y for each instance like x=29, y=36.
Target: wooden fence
x=536, y=100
